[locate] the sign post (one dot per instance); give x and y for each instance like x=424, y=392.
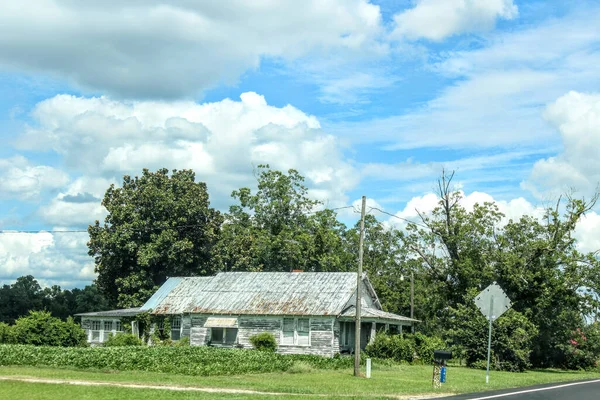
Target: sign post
x=492, y=302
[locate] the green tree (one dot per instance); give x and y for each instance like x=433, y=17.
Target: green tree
x=278, y=229
x=158, y=225
x=535, y=261
x=18, y=299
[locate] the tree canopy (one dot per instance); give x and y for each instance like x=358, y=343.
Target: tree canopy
x=158, y=225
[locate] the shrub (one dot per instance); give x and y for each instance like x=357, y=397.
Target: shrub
x=264, y=341
x=582, y=350
x=122, y=339
x=512, y=338
x=426, y=345
x=7, y=335
x=394, y=347
x=40, y=328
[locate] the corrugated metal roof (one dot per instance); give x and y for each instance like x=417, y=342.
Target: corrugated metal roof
x=177, y=299
x=275, y=293
x=368, y=312
x=161, y=293
x=126, y=312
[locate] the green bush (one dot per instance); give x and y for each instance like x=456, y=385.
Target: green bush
x=512, y=338
x=393, y=347
x=188, y=360
x=582, y=351
x=7, y=335
x=264, y=341
x=122, y=339
x=40, y=328
x=426, y=345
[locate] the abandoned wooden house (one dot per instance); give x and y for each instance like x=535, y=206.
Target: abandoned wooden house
x=307, y=312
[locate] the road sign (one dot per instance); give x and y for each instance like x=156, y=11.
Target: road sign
x=492, y=301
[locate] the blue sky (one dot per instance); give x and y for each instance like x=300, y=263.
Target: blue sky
x=362, y=97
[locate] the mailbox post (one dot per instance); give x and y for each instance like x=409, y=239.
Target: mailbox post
x=440, y=357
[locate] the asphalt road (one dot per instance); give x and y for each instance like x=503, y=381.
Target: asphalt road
x=581, y=390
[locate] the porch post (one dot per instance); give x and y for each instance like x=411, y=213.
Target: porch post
x=373, y=332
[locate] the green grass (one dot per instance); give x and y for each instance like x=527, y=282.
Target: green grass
x=394, y=380
x=42, y=391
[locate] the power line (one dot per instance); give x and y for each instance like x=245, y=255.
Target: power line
x=146, y=229
x=400, y=218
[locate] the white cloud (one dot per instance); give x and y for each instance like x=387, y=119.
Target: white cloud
x=52, y=258
x=221, y=142
x=588, y=233
x=20, y=179
x=512, y=209
x=172, y=49
x=438, y=19
x=577, y=117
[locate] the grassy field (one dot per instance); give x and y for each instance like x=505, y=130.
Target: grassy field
x=385, y=381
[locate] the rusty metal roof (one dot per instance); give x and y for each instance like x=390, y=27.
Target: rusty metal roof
x=127, y=312
x=274, y=293
x=373, y=313
x=180, y=293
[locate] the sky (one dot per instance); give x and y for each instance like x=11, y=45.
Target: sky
x=362, y=97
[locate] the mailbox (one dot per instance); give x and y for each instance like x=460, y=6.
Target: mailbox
x=442, y=355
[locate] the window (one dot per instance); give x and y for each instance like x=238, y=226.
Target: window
x=176, y=328
x=95, y=325
x=223, y=335
x=118, y=326
x=108, y=325
x=303, y=331
x=296, y=331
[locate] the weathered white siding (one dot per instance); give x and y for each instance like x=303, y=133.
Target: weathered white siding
x=199, y=335
x=323, y=340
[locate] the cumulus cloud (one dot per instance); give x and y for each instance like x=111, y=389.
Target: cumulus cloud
x=438, y=19
x=221, y=142
x=165, y=49
x=577, y=117
x=20, y=179
x=512, y=209
x=52, y=258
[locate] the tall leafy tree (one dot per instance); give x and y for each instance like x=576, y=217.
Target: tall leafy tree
x=535, y=261
x=278, y=228
x=158, y=225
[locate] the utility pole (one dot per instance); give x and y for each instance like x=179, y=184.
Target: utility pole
x=412, y=300
x=358, y=285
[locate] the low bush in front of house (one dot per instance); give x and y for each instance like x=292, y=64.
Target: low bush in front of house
x=180, y=360
x=122, y=339
x=264, y=341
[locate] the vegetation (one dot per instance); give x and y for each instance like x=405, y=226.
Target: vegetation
x=26, y=295
x=122, y=339
x=386, y=381
x=41, y=329
x=177, y=359
x=453, y=252
x=264, y=341
x=158, y=225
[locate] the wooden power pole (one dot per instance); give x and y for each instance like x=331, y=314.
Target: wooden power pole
x=358, y=286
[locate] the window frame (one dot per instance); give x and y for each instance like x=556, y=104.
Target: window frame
x=295, y=340
x=223, y=341
x=176, y=324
